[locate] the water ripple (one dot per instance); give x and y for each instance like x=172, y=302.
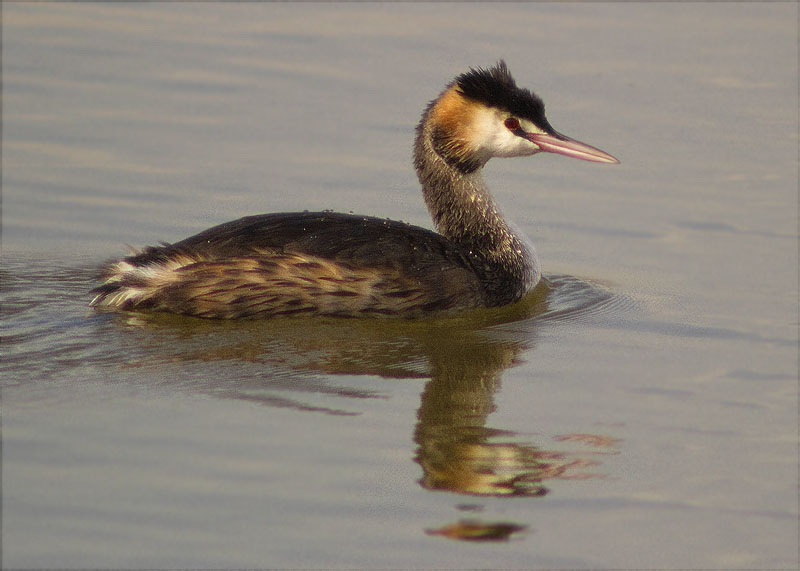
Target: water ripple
x=571, y=299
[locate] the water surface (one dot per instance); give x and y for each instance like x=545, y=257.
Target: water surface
x=639, y=409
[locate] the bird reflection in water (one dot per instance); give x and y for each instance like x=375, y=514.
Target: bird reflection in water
x=462, y=357
x=458, y=452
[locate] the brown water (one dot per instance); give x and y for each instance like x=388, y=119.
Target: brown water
x=639, y=410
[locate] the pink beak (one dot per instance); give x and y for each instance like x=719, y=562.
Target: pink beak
x=562, y=145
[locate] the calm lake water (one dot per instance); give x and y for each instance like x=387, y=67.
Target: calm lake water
x=638, y=410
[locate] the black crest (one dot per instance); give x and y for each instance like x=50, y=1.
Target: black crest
x=495, y=87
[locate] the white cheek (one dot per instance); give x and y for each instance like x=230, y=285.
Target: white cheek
x=493, y=138
x=510, y=145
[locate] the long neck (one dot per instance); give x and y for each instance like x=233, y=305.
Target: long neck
x=464, y=211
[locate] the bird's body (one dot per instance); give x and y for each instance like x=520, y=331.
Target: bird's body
x=302, y=263
x=346, y=265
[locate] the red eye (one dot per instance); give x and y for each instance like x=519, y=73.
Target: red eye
x=512, y=123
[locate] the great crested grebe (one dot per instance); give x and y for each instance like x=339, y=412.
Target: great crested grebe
x=323, y=263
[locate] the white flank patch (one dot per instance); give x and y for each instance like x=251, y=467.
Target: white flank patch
x=153, y=277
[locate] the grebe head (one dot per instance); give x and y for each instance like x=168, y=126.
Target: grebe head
x=483, y=114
